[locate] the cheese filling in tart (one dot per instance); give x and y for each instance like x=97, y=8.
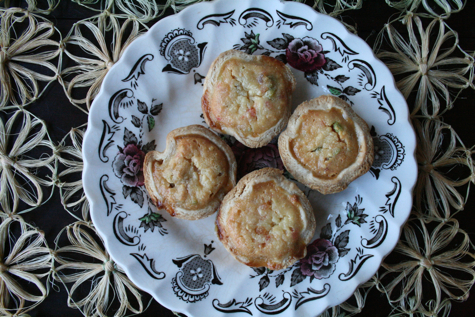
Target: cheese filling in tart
x=248, y=97
x=191, y=177
x=326, y=142
x=266, y=220
x=195, y=173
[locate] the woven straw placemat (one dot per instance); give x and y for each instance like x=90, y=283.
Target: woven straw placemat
x=41, y=165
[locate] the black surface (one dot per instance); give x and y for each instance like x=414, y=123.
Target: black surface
x=60, y=116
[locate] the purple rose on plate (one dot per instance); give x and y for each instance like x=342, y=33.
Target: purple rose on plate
x=305, y=54
x=320, y=260
x=128, y=165
x=254, y=159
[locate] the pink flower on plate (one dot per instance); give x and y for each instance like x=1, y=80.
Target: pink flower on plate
x=305, y=54
x=254, y=159
x=128, y=165
x=321, y=259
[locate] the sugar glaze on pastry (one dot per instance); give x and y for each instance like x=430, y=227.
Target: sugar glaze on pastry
x=192, y=176
x=266, y=220
x=248, y=97
x=326, y=145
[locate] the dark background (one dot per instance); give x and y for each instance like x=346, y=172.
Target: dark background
x=60, y=116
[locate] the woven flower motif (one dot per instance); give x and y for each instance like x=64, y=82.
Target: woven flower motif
x=70, y=178
x=24, y=262
x=442, y=311
x=427, y=63
x=336, y=7
x=89, y=36
x=440, y=153
x=141, y=10
x=32, y=5
x=96, y=5
x=21, y=51
x=21, y=137
x=434, y=8
x=104, y=278
x=432, y=256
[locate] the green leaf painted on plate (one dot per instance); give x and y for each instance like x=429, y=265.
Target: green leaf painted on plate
x=151, y=122
x=334, y=91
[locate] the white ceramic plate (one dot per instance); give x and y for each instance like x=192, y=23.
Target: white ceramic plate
x=156, y=87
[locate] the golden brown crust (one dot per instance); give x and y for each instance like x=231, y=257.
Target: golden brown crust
x=190, y=178
x=248, y=97
x=266, y=220
x=320, y=174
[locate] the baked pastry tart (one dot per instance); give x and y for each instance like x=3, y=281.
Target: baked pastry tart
x=266, y=220
x=248, y=97
x=191, y=177
x=326, y=145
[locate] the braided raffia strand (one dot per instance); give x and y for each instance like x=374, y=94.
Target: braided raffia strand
x=89, y=71
x=28, y=261
x=100, y=272
x=18, y=179
x=33, y=47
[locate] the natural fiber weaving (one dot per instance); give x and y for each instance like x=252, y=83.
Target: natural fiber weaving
x=26, y=258
x=90, y=35
x=20, y=84
x=420, y=48
x=103, y=275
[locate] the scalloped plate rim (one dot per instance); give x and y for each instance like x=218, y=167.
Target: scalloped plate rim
x=105, y=235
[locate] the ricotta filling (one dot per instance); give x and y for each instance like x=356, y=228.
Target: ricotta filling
x=265, y=225
x=249, y=97
x=197, y=171
x=326, y=143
